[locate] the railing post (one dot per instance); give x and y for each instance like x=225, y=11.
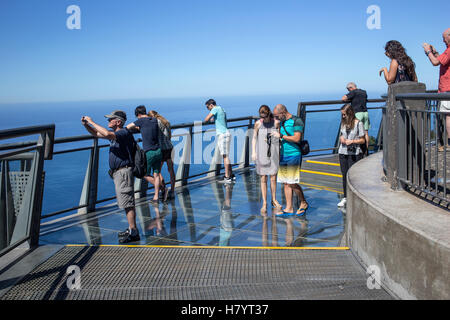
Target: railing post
x=89, y=192
x=247, y=147
x=394, y=130
x=183, y=167
x=6, y=207
x=216, y=162
x=30, y=213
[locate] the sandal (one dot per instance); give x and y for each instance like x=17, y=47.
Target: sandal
x=284, y=214
x=274, y=205
x=301, y=212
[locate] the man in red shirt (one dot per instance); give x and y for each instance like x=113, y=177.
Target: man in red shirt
x=442, y=60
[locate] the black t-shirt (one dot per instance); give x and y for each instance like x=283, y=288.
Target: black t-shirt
x=358, y=99
x=121, y=150
x=149, y=131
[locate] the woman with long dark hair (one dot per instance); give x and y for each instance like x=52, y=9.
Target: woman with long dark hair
x=351, y=139
x=266, y=154
x=165, y=135
x=402, y=67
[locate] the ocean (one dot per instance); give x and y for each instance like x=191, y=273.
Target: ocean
x=64, y=175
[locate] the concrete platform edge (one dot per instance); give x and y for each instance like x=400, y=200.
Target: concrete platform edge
x=405, y=237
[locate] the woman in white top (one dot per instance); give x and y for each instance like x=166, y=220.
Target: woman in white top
x=351, y=139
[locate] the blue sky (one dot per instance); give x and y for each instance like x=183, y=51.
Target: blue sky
x=143, y=49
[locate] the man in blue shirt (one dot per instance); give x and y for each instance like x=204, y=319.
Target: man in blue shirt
x=223, y=136
x=291, y=133
x=120, y=163
x=148, y=127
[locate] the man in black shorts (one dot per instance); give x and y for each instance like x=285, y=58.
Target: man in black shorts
x=148, y=127
x=358, y=99
x=120, y=163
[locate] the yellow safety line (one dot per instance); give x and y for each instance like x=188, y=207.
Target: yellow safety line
x=326, y=163
x=209, y=247
x=322, y=173
x=321, y=187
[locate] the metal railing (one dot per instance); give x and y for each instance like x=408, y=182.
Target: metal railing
x=302, y=112
x=21, y=185
x=89, y=194
x=422, y=148
x=188, y=132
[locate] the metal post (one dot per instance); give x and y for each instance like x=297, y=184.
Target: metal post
x=89, y=192
x=246, y=149
x=183, y=167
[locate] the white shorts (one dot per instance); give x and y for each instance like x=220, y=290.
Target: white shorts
x=223, y=143
x=444, y=106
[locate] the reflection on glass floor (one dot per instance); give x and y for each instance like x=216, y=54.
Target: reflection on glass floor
x=213, y=214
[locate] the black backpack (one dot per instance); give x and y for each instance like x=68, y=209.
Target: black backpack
x=139, y=160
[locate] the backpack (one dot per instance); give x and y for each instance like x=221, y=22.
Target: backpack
x=138, y=159
x=140, y=162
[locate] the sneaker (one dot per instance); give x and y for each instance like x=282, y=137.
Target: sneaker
x=130, y=238
x=343, y=202
x=124, y=233
x=233, y=177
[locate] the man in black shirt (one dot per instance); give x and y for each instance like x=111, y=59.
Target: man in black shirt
x=358, y=99
x=120, y=162
x=148, y=127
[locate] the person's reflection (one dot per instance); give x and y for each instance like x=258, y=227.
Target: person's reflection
x=290, y=239
x=226, y=218
x=302, y=231
x=155, y=227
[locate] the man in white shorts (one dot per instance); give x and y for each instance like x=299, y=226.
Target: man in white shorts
x=223, y=136
x=442, y=60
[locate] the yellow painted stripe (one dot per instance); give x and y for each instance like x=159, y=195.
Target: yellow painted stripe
x=209, y=247
x=322, y=173
x=325, y=163
x=321, y=187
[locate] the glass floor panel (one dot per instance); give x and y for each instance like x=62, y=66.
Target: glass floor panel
x=210, y=213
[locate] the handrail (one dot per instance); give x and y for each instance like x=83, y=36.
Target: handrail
x=25, y=131
x=423, y=96
x=412, y=159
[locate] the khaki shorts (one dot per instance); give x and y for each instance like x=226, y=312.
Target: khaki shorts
x=444, y=106
x=124, y=185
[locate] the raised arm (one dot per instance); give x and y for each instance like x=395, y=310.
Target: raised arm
x=97, y=130
x=390, y=75
x=431, y=54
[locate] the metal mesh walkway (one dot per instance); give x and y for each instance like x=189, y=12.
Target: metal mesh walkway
x=154, y=273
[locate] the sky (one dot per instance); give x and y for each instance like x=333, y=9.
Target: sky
x=147, y=48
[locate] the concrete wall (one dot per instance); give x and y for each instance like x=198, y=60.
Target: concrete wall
x=406, y=237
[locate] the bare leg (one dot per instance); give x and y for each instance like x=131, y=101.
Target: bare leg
x=172, y=175
x=273, y=190
x=299, y=191
x=227, y=165
x=131, y=218
x=150, y=179
x=288, y=194
x=264, y=192
x=157, y=184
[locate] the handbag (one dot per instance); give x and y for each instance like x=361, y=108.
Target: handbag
x=303, y=144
